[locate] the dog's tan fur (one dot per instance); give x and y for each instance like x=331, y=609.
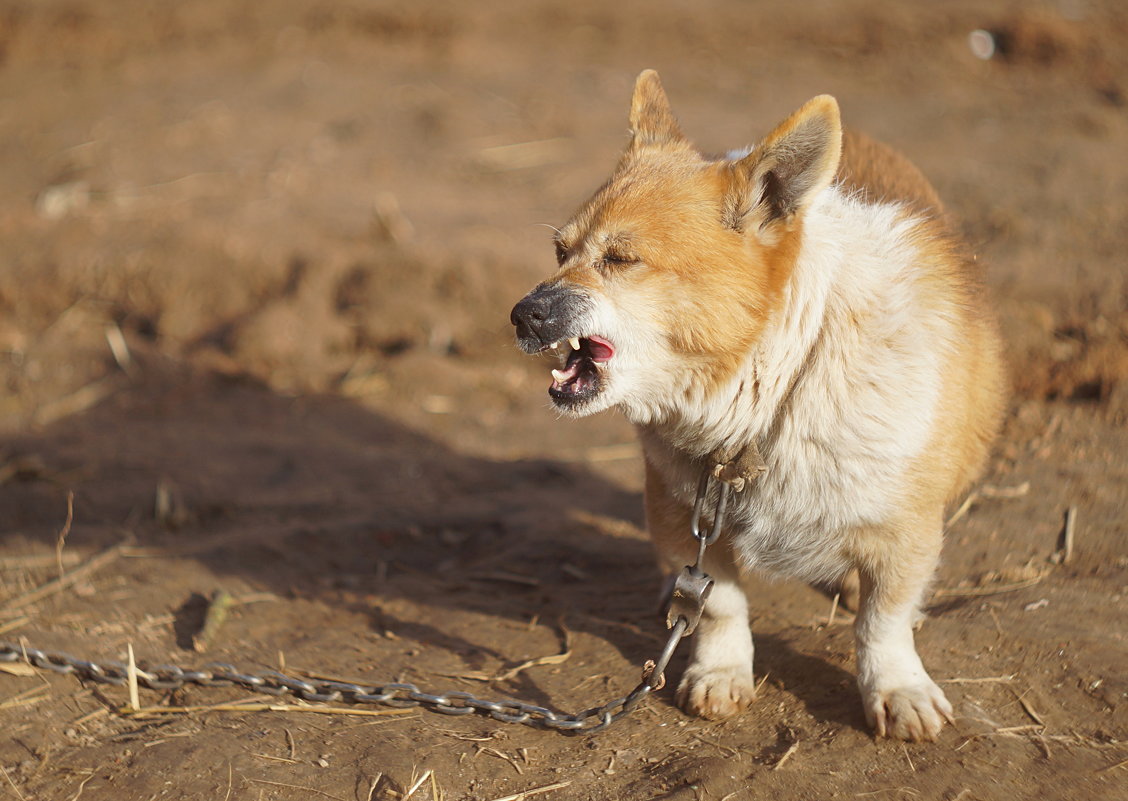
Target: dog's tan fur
x=808, y=298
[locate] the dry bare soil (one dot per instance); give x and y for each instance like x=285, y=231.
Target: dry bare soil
x=258, y=260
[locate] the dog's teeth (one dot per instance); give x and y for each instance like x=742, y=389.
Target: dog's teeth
x=559, y=375
x=575, y=343
x=555, y=345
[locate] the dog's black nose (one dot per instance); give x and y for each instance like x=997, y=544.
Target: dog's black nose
x=529, y=316
x=546, y=315
x=530, y=312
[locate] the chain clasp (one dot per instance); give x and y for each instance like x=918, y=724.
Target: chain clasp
x=692, y=586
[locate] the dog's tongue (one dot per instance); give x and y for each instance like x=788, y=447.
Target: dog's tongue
x=600, y=349
x=578, y=373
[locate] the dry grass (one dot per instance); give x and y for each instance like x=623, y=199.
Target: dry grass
x=254, y=705
x=987, y=491
x=15, y=789
x=37, y=561
x=17, y=669
x=218, y=608
x=495, y=753
x=312, y=790
x=61, y=539
x=1064, y=554
x=27, y=697
x=989, y=587
x=131, y=680
x=82, y=786
x=417, y=783
x=85, y=398
x=547, y=788
x=979, y=680
x=791, y=749
x=93, y=565
x=1030, y=710
x=505, y=675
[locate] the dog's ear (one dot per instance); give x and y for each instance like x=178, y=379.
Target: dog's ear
x=781, y=176
x=652, y=121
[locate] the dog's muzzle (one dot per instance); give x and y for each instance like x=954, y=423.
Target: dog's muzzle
x=548, y=314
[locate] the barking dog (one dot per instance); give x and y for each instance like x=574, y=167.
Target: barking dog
x=802, y=301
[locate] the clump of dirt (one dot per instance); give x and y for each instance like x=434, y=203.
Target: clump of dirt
x=1076, y=352
x=1039, y=36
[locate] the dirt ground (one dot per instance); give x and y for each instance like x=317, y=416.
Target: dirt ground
x=254, y=290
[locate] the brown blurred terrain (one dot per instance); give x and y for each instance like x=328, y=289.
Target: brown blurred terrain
x=257, y=265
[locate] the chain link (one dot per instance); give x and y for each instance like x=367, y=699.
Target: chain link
x=399, y=694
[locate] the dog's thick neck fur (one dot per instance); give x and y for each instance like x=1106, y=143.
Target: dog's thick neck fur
x=841, y=237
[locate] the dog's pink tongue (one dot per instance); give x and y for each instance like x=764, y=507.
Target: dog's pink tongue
x=600, y=349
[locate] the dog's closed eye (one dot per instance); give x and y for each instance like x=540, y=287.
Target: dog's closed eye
x=616, y=258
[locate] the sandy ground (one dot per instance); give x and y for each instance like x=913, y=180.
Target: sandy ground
x=258, y=261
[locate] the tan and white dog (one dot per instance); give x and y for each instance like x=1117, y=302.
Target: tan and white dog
x=806, y=300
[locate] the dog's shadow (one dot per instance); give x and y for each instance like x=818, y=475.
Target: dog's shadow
x=827, y=692
x=319, y=497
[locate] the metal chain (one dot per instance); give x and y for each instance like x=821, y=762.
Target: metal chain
x=684, y=611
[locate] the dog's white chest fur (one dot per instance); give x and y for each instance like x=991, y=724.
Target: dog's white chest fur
x=839, y=395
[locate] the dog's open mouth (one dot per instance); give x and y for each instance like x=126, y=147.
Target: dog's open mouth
x=581, y=375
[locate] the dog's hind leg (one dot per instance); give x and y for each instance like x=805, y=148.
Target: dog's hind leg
x=850, y=591
x=899, y=697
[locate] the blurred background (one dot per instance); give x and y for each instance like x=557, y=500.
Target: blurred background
x=338, y=196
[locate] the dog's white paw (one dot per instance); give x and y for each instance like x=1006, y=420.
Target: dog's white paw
x=913, y=712
x=716, y=693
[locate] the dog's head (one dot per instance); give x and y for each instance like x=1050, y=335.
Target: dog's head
x=667, y=274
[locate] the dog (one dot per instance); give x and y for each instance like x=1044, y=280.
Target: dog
x=804, y=301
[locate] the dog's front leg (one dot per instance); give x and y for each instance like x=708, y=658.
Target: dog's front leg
x=900, y=698
x=718, y=682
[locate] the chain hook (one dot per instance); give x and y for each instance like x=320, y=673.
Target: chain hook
x=692, y=586
x=704, y=538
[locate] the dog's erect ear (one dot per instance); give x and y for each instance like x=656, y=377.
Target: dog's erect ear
x=796, y=161
x=652, y=121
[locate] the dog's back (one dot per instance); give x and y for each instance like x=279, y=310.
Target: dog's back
x=882, y=175
x=974, y=399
